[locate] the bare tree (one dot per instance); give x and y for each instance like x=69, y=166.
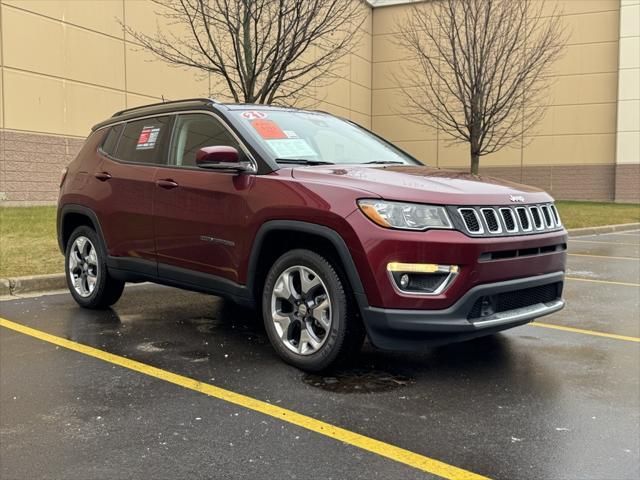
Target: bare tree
x=481, y=71
x=265, y=51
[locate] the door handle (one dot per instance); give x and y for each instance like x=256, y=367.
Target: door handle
x=166, y=183
x=103, y=176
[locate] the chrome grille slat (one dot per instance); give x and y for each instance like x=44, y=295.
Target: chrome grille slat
x=556, y=215
x=537, y=217
x=504, y=220
x=491, y=220
x=471, y=220
x=509, y=220
x=546, y=215
x=525, y=220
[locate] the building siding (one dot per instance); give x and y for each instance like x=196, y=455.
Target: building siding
x=65, y=66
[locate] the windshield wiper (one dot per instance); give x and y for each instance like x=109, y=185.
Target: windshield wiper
x=303, y=161
x=381, y=162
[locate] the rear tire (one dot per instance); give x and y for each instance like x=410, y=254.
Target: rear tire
x=309, y=313
x=88, y=279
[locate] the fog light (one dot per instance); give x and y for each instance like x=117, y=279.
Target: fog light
x=421, y=278
x=486, y=307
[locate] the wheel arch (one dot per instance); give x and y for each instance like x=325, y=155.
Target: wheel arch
x=278, y=236
x=72, y=216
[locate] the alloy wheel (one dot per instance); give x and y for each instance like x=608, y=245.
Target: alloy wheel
x=83, y=266
x=301, y=310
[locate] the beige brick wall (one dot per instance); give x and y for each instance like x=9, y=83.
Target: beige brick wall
x=32, y=165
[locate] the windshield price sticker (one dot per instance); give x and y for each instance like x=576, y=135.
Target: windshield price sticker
x=291, y=148
x=148, y=137
x=268, y=129
x=253, y=115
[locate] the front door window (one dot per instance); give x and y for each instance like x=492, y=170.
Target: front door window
x=193, y=132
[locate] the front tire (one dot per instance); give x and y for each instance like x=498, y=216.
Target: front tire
x=308, y=312
x=86, y=270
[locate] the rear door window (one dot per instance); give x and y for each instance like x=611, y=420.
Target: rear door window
x=145, y=141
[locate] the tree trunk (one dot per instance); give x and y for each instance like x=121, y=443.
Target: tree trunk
x=475, y=162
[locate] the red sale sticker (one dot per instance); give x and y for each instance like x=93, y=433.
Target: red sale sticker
x=253, y=115
x=268, y=129
x=148, y=137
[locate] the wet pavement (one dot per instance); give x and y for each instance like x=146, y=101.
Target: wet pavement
x=531, y=402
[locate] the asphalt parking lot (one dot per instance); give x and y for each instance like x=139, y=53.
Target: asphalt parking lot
x=555, y=400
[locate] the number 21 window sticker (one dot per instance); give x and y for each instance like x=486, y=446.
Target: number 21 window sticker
x=253, y=115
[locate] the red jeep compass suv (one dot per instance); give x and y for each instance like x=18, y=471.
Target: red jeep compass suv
x=329, y=230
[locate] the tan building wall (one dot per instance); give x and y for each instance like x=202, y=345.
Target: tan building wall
x=67, y=64
x=572, y=152
x=628, y=127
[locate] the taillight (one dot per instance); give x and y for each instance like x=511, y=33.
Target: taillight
x=63, y=176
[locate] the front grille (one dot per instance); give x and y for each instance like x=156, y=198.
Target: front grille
x=491, y=220
x=506, y=220
x=471, y=220
x=487, y=305
x=537, y=219
x=522, y=252
x=547, y=216
x=556, y=215
x=509, y=220
x=525, y=224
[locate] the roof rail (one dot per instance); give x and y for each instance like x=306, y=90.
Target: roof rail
x=127, y=110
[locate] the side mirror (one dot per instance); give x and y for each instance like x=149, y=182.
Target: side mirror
x=221, y=157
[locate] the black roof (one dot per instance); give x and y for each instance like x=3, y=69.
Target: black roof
x=159, y=106
x=176, y=105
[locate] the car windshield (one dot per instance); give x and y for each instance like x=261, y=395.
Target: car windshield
x=315, y=138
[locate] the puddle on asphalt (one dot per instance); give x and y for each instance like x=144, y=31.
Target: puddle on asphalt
x=357, y=381
x=195, y=355
x=167, y=344
x=214, y=325
x=148, y=347
x=151, y=347
x=198, y=321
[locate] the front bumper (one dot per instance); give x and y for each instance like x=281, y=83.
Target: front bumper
x=399, y=329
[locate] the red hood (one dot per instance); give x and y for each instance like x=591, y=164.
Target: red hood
x=422, y=184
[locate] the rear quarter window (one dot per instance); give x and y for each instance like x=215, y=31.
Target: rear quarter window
x=111, y=140
x=144, y=141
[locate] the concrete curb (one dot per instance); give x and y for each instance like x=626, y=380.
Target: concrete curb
x=32, y=283
x=577, y=232
x=57, y=281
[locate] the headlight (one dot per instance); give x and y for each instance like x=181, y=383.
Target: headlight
x=405, y=216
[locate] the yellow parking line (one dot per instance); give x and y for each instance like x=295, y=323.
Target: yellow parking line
x=608, y=282
x=587, y=332
x=604, y=243
x=601, y=256
x=363, y=442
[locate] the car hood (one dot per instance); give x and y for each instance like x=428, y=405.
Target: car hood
x=423, y=184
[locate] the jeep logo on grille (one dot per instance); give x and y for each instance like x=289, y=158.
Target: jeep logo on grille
x=516, y=198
